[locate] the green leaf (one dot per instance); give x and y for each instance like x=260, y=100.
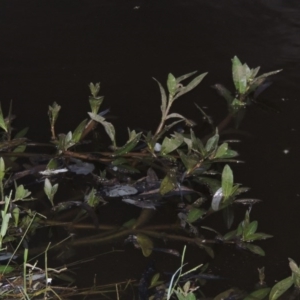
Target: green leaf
x=78, y=131
x=53, y=112
x=4, y=225
x=226, y=294
x=228, y=216
x=47, y=187
x=222, y=91
x=94, y=88
x=227, y=181
x=197, y=144
x=167, y=185
x=255, y=249
x=129, y=224
x=258, y=294
x=280, y=288
x=2, y=121
x=212, y=143
x=195, y=214
x=189, y=161
x=229, y=235
x=109, y=128
x=257, y=236
x=154, y=280
x=16, y=215
x=171, y=144
x=190, y=86
x=171, y=84
x=239, y=75
x=163, y=97
x=145, y=243
x=229, y=154
x=183, y=77
x=254, y=72
x=6, y=269
x=18, y=149
x=2, y=169
x=251, y=228
x=222, y=150
x=268, y=74
x=21, y=193
x=240, y=229
x=294, y=267
x=130, y=144
x=21, y=133
x=52, y=164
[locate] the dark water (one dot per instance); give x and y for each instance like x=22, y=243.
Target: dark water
x=51, y=50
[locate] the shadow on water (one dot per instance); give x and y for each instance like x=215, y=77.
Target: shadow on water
x=51, y=50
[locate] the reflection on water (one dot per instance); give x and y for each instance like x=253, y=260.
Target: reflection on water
x=51, y=51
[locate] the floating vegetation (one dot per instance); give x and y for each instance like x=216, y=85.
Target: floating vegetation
x=152, y=170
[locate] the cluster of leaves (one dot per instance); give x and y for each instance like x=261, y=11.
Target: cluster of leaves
x=193, y=170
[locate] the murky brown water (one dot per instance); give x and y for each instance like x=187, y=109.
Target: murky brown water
x=51, y=50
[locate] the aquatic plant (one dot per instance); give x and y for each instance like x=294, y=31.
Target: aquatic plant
x=183, y=168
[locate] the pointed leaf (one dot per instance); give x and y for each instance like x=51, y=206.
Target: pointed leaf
x=258, y=236
x=78, y=131
x=52, y=164
x=229, y=235
x=294, y=267
x=2, y=168
x=268, y=74
x=222, y=150
x=128, y=146
x=251, y=229
x=280, y=288
x=175, y=115
x=171, y=84
x=109, y=128
x=254, y=72
x=163, y=97
x=228, y=216
x=169, y=145
x=258, y=294
x=47, y=188
x=195, y=214
x=212, y=143
x=239, y=75
x=4, y=224
x=2, y=121
x=255, y=249
x=183, y=77
x=227, y=181
x=21, y=133
x=222, y=91
x=190, y=86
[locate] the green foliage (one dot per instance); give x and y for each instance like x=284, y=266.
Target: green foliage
x=145, y=243
x=193, y=173
x=50, y=190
